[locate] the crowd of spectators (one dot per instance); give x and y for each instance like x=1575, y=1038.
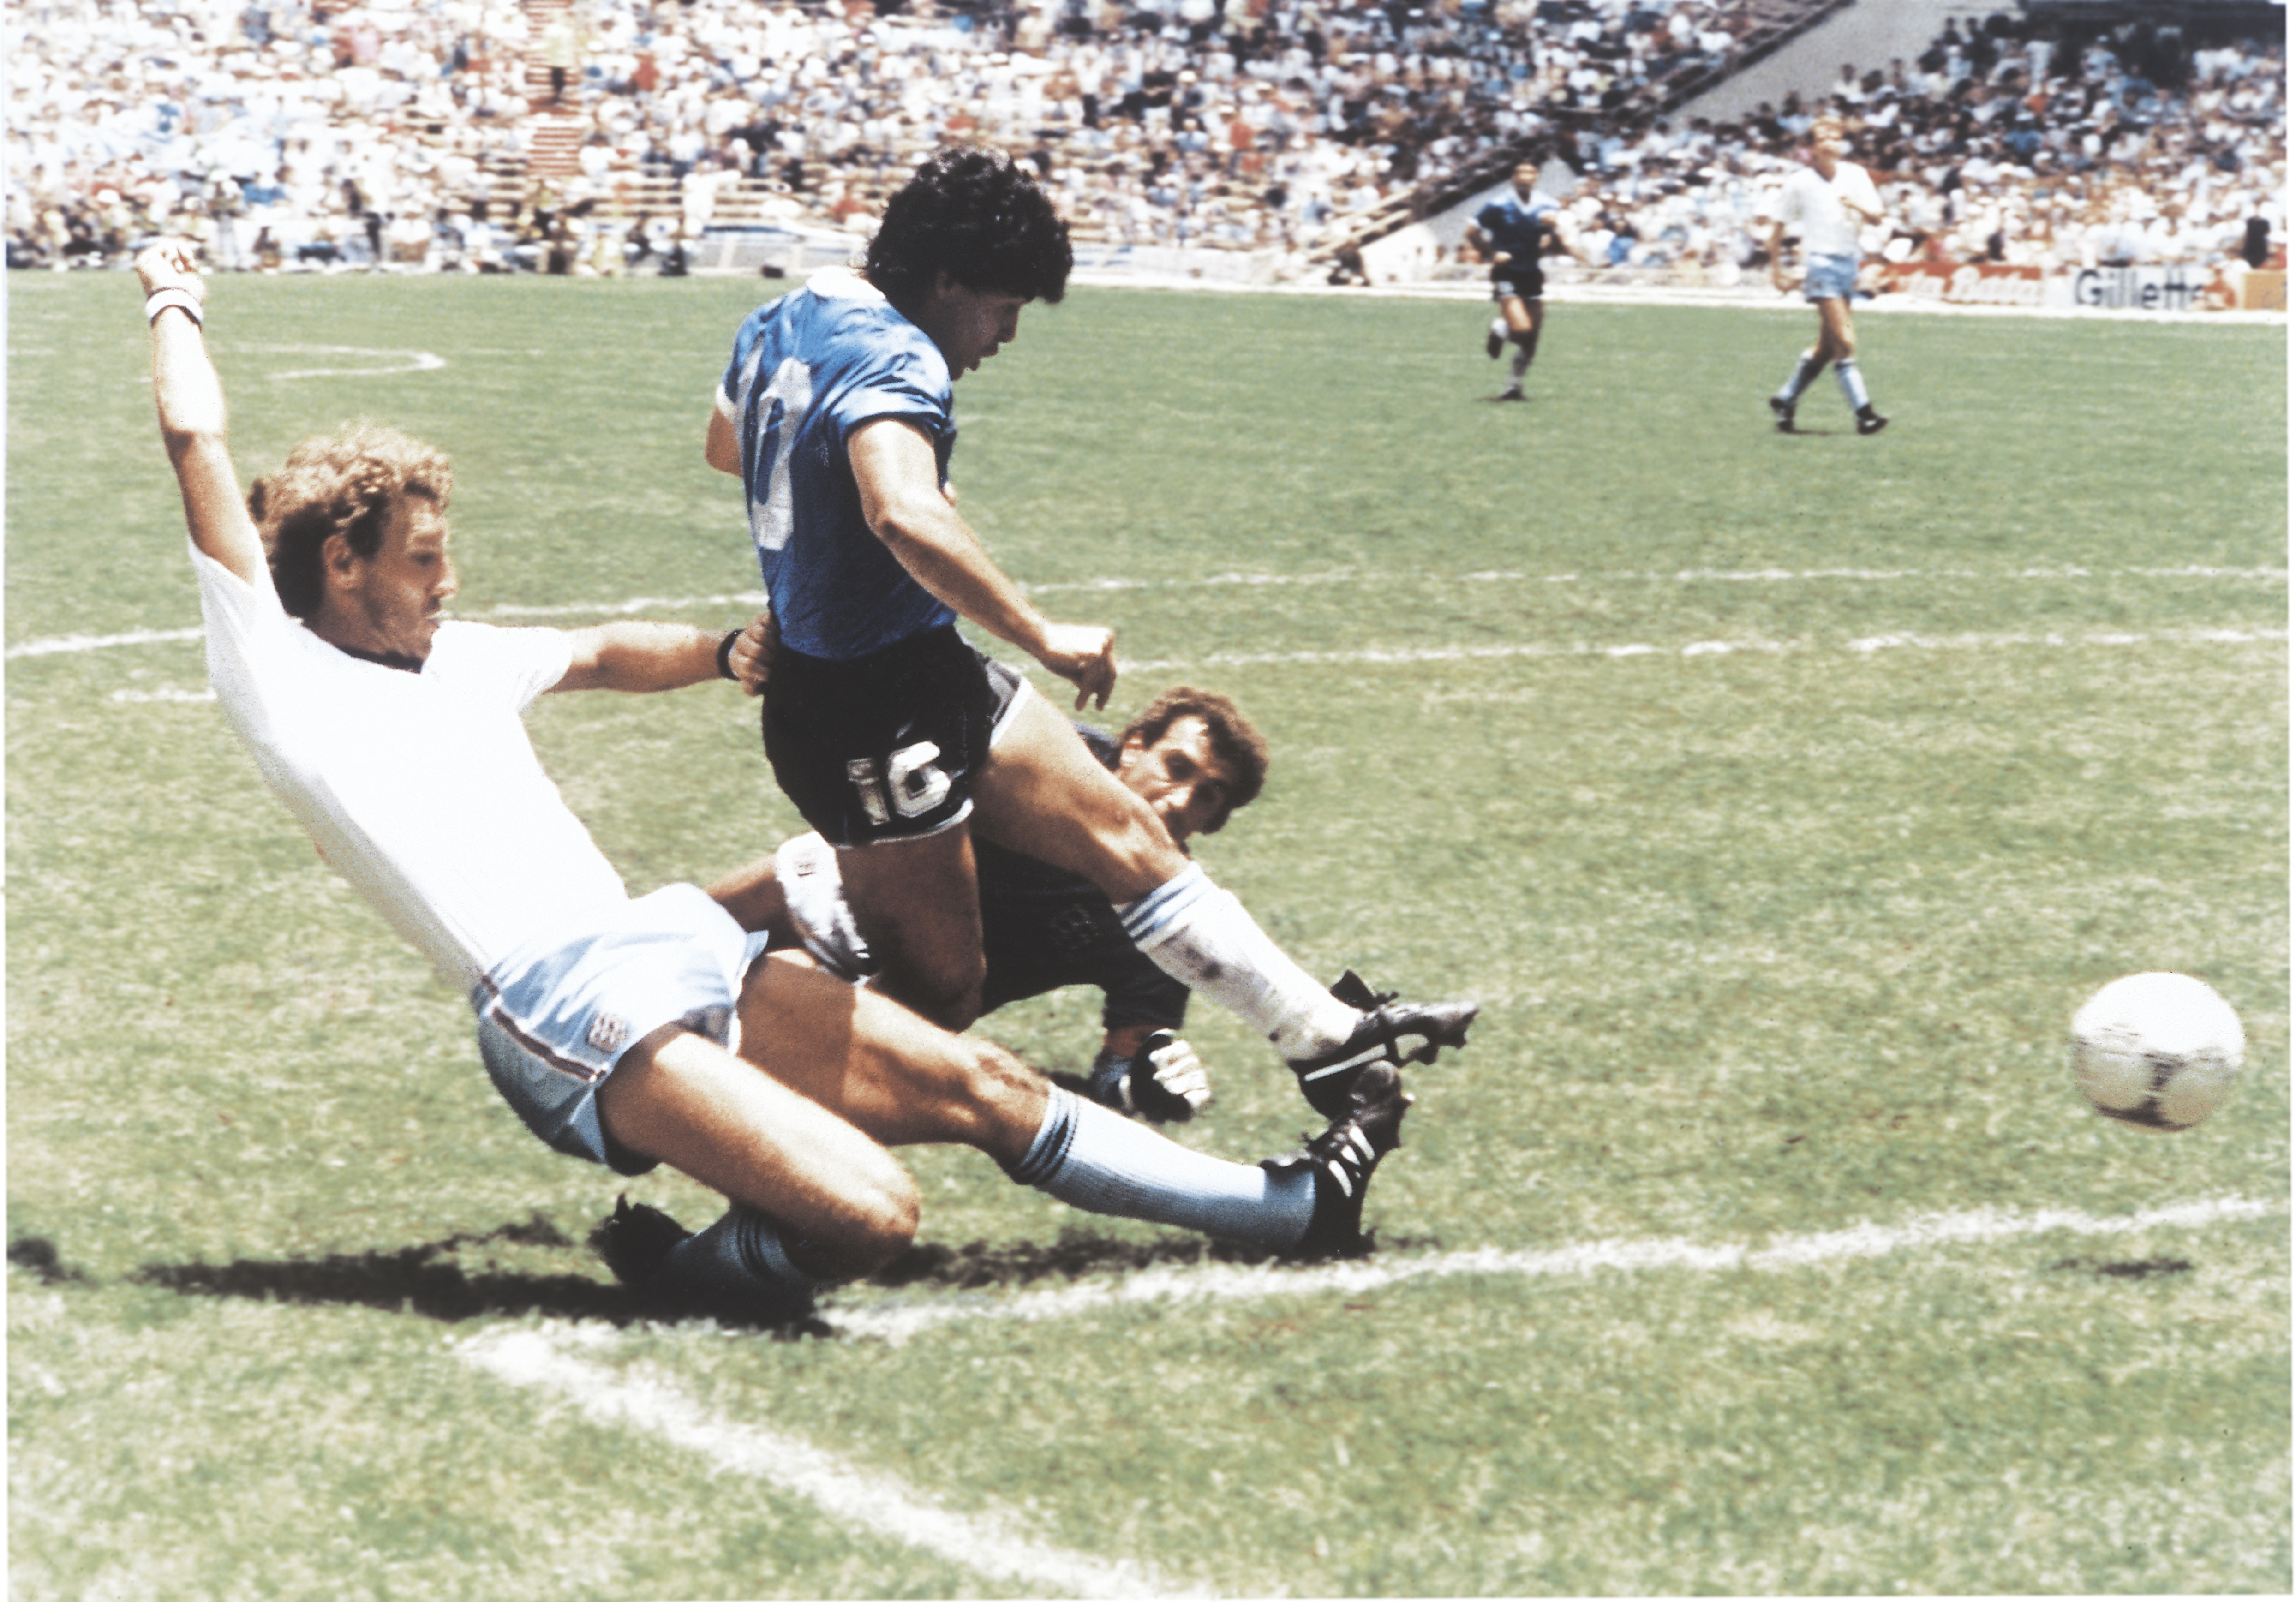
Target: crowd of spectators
x=312, y=133
x=2006, y=143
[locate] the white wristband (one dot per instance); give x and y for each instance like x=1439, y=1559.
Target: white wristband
x=160, y=299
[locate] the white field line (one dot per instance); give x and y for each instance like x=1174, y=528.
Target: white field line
x=897, y=1321
x=1682, y=576
x=1378, y=657
x=73, y=643
x=410, y=361
x=882, y=1503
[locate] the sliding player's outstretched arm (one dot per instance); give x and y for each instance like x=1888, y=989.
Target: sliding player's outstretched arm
x=192, y=423
x=642, y=657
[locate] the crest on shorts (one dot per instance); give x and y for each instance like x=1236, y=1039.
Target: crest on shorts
x=609, y=1031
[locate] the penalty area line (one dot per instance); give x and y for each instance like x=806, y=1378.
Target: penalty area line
x=1399, y=656
x=897, y=1320
x=645, y=1400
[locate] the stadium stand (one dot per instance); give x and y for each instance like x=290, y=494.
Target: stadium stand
x=611, y=135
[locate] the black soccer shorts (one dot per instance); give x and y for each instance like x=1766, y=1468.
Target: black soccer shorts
x=886, y=746
x=1511, y=280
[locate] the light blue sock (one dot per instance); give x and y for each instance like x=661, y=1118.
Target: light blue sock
x=1853, y=382
x=1102, y=1161
x=1804, y=371
x=739, y=1267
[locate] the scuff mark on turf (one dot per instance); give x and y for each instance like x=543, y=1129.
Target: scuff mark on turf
x=979, y=1266
x=2140, y=1269
x=38, y=1255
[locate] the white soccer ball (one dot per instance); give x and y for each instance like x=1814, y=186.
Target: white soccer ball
x=2157, y=1050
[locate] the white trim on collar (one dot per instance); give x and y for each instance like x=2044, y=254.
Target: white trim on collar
x=843, y=284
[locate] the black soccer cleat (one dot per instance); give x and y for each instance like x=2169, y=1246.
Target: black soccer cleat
x=1871, y=422
x=1343, y=1158
x=1512, y=392
x=635, y=1240
x=1784, y=411
x=636, y=1243
x=1326, y=1078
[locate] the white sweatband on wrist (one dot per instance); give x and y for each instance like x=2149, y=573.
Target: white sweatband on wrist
x=159, y=300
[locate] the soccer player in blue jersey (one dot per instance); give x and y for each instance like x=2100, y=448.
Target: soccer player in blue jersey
x=1195, y=758
x=1512, y=233
x=894, y=737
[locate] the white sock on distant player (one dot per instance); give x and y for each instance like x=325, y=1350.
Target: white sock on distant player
x=1853, y=382
x=1804, y=371
x=1201, y=936
x=1102, y=1161
x=740, y=1263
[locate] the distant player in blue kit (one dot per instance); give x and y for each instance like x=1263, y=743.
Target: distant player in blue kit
x=1196, y=759
x=1826, y=200
x=1512, y=233
x=894, y=739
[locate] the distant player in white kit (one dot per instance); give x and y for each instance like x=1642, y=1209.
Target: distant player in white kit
x=627, y=1032
x=1828, y=200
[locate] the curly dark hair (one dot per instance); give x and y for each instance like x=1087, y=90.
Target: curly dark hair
x=1234, y=740
x=972, y=214
x=343, y=483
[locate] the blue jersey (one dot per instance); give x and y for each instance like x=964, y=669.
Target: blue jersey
x=1524, y=229
x=808, y=370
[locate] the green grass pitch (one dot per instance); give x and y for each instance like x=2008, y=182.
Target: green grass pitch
x=1779, y=797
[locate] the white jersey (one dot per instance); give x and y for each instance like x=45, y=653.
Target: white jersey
x=1827, y=227
x=421, y=789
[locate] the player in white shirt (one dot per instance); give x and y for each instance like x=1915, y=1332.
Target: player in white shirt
x=1828, y=200
x=631, y=1033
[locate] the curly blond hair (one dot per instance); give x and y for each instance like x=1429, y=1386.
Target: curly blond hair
x=344, y=484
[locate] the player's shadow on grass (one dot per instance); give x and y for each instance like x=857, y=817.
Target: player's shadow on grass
x=424, y=1278
x=427, y=1280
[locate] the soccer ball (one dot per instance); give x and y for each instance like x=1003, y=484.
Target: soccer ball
x=2157, y=1050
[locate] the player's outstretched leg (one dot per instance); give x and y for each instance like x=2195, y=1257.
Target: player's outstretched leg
x=1342, y=1158
x=1042, y=793
x=900, y=1080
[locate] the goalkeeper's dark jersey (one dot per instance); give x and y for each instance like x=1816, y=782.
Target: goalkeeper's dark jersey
x=1043, y=927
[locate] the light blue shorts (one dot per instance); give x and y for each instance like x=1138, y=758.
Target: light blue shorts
x=1830, y=278
x=556, y=1015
